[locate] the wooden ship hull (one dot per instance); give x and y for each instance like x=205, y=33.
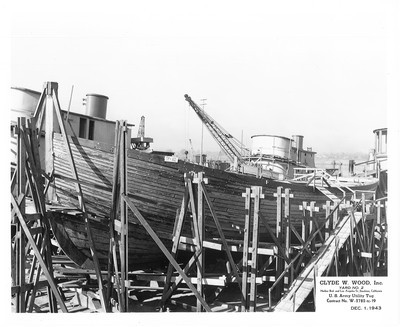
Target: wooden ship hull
x=156, y=187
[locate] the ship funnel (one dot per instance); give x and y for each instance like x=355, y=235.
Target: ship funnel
x=96, y=105
x=298, y=139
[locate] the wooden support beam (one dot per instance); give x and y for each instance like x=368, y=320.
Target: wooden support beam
x=256, y=193
x=20, y=240
x=112, y=253
x=287, y=224
x=124, y=237
x=80, y=196
x=188, y=244
x=246, y=248
x=201, y=229
x=305, y=227
x=39, y=111
x=312, y=225
x=279, y=240
x=335, y=217
x=351, y=244
x=50, y=87
x=329, y=222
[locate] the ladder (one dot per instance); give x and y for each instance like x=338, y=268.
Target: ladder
x=327, y=193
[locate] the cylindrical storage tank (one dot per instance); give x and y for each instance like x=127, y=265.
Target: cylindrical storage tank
x=298, y=139
x=23, y=102
x=272, y=145
x=96, y=105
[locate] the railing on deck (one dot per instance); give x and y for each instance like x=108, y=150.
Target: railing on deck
x=318, y=175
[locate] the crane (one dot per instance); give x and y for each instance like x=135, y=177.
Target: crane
x=141, y=142
x=232, y=147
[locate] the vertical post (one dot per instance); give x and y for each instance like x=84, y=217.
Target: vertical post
x=351, y=240
x=312, y=225
x=335, y=217
x=287, y=225
x=246, y=248
x=124, y=215
x=19, y=237
x=256, y=193
x=113, y=214
x=49, y=128
x=200, y=222
x=329, y=222
x=279, y=260
x=315, y=286
x=363, y=205
x=378, y=213
x=305, y=223
x=336, y=257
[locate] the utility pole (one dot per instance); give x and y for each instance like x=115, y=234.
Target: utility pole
x=203, y=104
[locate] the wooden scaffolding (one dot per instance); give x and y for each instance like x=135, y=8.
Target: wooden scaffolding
x=33, y=229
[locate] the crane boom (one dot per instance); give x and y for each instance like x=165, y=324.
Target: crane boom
x=141, y=127
x=231, y=146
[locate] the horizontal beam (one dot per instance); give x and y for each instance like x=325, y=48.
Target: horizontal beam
x=189, y=244
x=205, y=281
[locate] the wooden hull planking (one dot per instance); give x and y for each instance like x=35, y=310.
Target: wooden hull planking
x=156, y=187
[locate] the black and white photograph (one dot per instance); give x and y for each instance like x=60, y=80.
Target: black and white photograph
x=201, y=162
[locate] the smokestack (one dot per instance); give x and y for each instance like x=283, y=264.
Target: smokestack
x=299, y=141
x=96, y=105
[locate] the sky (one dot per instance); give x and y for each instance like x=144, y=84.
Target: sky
x=314, y=68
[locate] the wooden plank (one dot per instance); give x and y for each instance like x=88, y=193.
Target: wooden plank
x=246, y=249
x=123, y=241
x=114, y=224
x=256, y=192
x=188, y=244
x=20, y=240
x=39, y=111
x=201, y=228
x=279, y=239
x=49, y=128
x=287, y=222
